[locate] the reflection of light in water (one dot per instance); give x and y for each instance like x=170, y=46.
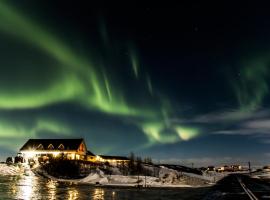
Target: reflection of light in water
x=98, y=194
x=113, y=195
x=13, y=189
x=73, y=194
x=25, y=187
x=51, y=187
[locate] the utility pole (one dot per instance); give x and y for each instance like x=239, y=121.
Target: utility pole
x=249, y=168
x=144, y=180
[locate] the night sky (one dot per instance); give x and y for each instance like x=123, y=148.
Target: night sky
x=182, y=84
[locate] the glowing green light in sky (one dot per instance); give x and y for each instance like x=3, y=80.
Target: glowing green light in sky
x=70, y=86
x=159, y=132
x=97, y=89
x=77, y=80
x=14, y=133
x=152, y=130
x=15, y=129
x=108, y=88
x=134, y=62
x=251, y=86
x=186, y=133
x=52, y=126
x=149, y=84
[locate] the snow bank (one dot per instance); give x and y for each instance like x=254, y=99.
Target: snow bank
x=10, y=170
x=95, y=178
x=165, y=178
x=116, y=180
x=178, y=177
x=210, y=177
x=262, y=175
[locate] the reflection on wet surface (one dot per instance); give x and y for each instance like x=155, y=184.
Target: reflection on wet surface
x=51, y=186
x=98, y=194
x=33, y=187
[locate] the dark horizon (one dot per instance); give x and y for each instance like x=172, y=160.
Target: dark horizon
x=184, y=84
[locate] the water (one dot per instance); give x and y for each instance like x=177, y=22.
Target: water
x=33, y=187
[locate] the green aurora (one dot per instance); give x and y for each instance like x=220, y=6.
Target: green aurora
x=175, y=86
x=252, y=86
x=77, y=80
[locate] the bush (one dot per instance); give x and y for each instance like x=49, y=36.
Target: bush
x=9, y=160
x=63, y=169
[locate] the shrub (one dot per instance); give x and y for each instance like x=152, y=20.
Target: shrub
x=63, y=169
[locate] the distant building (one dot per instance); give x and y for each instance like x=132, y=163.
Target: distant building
x=112, y=159
x=43, y=149
x=211, y=168
x=232, y=168
x=236, y=168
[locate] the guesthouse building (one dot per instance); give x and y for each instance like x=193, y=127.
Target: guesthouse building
x=44, y=149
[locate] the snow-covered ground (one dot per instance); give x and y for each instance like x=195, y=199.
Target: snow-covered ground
x=166, y=178
x=120, y=180
x=261, y=174
x=11, y=169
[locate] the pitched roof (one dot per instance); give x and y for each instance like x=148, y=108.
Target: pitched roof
x=89, y=153
x=69, y=144
x=113, y=157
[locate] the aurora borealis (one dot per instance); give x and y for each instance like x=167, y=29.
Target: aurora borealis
x=171, y=86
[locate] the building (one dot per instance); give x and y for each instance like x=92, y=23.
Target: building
x=44, y=149
x=236, y=168
x=211, y=168
x=91, y=157
x=114, y=160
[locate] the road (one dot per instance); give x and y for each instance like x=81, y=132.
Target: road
x=240, y=187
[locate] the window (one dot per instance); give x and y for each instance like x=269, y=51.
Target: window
x=61, y=147
x=40, y=147
x=82, y=147
x=50, y=147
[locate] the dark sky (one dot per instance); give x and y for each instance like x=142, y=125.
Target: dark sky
x=180, y=83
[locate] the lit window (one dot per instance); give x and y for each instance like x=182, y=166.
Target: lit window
x=61, y=147
x=82, y=148
x=40, y=147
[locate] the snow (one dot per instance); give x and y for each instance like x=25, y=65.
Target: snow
x=262, y=175
x=10, y=170
x=166, y=178
x=208, y=176
x=121, y=180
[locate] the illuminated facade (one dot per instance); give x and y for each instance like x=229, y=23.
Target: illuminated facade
x=114, y=160
x=44, y=149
